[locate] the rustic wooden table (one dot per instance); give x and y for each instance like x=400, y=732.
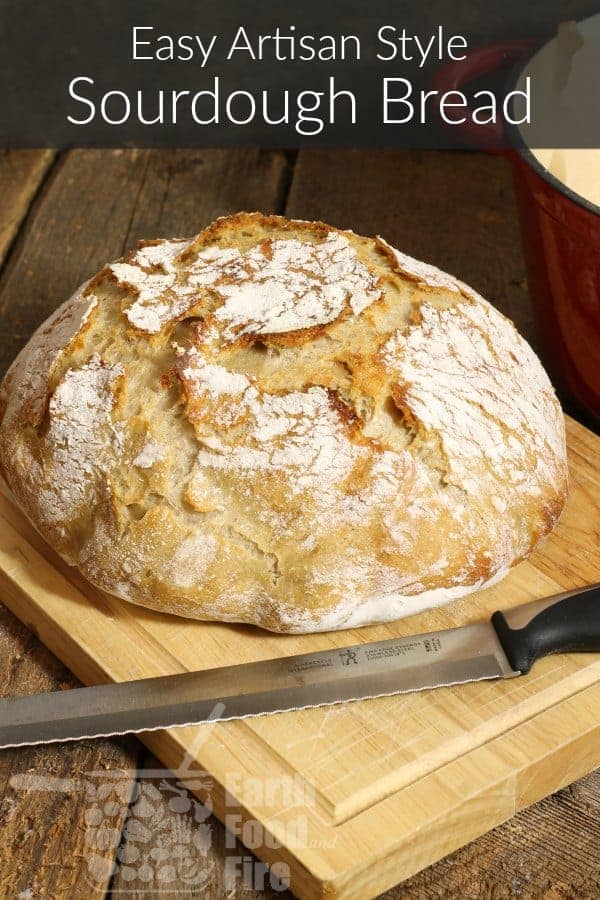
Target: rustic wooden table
x=63, y=216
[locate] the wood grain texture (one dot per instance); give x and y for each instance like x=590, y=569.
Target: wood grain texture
x=40, y=786
x=454, y=209
x=547, y=851
x=93, y=207
x=472, y=757
x=98, y=203
x=21, y=174
x=42, y=805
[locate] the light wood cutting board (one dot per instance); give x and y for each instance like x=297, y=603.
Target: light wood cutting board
x=354, y=797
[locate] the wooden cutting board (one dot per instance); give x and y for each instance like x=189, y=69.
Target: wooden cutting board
x=356, y=797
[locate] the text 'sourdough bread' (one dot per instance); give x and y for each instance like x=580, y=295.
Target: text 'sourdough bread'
x=282, y=423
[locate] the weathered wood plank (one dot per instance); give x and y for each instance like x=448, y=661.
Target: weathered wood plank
x=97, y=204
x=101, y=202
x=21, y=174
x=526, y=856
x=182, y=191
x=43, y=790
x=549, y=850
x=43, y=799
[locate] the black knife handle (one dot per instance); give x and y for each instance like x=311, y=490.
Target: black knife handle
x=565, y=623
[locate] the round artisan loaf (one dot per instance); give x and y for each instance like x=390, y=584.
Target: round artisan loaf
x=286, y=424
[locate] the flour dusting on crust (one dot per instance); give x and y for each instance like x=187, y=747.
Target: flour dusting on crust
x=458, y=371
x=151, y=453
x=283, y=424
x=153, y=275
x=39, y=357
x=82, y=433
x=191, y=560
x=298, y=435
x=427, y=275
x=293, y=286
x=277, y=286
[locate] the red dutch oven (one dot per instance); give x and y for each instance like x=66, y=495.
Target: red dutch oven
x=561, y=241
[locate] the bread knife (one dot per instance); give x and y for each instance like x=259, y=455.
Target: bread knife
x=504, y=647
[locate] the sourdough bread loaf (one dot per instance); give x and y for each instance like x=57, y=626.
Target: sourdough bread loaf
x=284, y=424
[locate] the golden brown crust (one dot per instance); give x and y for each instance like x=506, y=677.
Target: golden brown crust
x=286, y=424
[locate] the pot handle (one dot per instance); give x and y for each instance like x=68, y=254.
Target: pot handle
x=454, y=75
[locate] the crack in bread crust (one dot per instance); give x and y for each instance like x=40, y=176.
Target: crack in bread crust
x=285, y=424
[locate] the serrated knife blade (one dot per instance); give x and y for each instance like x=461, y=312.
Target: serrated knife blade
x=504, y=647
x=357, y=672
